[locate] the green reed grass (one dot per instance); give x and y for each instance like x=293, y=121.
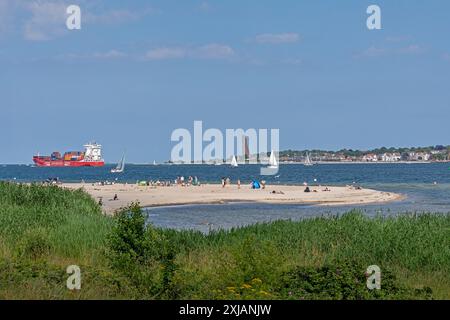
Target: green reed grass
x=45, y=228
x=70, y=221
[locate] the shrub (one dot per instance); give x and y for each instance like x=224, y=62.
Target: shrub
x=343, y=281
x=35, y=244
x=142, y=253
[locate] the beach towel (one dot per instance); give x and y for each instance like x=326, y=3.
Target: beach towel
x=256, y=185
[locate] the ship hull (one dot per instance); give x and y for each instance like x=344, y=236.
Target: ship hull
x=63, y=163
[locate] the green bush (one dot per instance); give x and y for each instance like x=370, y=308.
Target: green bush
x=35, y=244
x=344, y=281
x=141, y=253
x=44, y=229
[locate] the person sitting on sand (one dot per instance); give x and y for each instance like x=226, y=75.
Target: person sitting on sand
x=100, y=201
x=115, y=197
x=307, y=189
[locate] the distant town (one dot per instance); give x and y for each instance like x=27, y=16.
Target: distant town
x=437, y=153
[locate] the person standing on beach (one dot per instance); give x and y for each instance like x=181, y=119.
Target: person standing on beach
x=239, y=183
x=223, y=182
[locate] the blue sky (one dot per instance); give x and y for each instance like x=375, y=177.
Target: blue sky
x=137, y=70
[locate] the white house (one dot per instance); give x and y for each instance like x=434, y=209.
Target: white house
x=419, y=156
x=370, y=157
x=391, y=157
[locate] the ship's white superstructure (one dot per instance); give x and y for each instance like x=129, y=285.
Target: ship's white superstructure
x=93, y=152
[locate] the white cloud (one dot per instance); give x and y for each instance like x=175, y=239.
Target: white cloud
x=107, y=55
x=208, y=51
x=272, y=38
x=411, y=49
x=47, y=20
x=214, y=51
x=5, y=15
x=165, y=53
x=116, y=16
x=291, y=61
x=204, y=6
x=375, y=51
x=398, y=38
x=111, y=54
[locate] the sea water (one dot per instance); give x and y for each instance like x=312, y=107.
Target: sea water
x=425, y=185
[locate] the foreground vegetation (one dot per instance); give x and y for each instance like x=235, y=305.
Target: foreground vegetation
x=45, y=229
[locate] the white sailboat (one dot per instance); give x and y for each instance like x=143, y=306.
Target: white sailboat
x=273, y=164
x=234, y=163
x=120, y=166
x=154, y=163
x=308, y=161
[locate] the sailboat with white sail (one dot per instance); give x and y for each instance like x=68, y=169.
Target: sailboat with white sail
x=120, y=166
x=273, y=164
x=234, y=163
x=308, y=161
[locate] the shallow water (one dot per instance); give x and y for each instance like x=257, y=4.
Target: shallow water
x=420, y=198
x=416, y=181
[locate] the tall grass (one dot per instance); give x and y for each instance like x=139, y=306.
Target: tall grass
x=45, y=228
x=70, y=222
x=416, y=248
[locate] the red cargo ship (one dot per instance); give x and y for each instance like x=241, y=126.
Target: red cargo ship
x=91, y=157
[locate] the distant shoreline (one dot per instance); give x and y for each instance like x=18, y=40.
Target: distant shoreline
x=261, y=164
x=370, y=162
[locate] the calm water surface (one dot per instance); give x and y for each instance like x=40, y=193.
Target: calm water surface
x=416, y=181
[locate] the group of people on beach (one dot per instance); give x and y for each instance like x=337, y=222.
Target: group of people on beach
x=158, y=183
x=52, y=181
x=226, y=181
x=191, y=181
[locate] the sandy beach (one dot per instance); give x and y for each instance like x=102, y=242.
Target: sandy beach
x=149, y=196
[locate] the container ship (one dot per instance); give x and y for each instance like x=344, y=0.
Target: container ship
x=91, y=157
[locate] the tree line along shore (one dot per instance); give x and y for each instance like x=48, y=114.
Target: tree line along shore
x=44, y=229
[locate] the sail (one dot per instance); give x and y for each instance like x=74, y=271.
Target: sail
x=308, y=160
x=273, y=160
x=120, y=166
x=234, y=162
